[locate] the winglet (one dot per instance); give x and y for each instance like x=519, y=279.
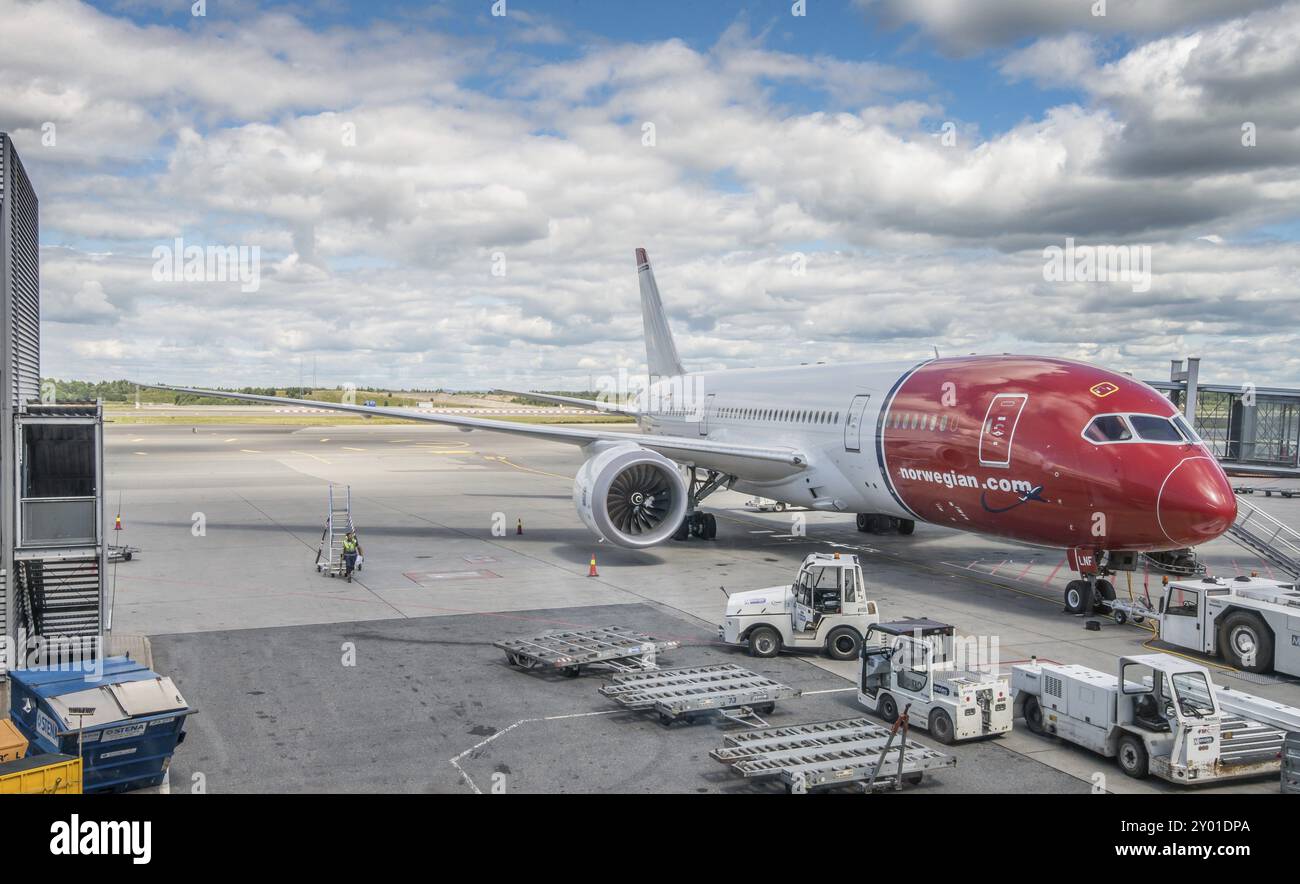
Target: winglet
x=660, y=351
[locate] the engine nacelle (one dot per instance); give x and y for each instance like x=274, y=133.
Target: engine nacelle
x=630, y=496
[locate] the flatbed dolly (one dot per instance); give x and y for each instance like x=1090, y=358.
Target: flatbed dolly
x=122, y=553
x=831, y=753
x=687, y=693
x=612, y=647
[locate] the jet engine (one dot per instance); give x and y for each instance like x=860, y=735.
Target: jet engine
x=630, y=496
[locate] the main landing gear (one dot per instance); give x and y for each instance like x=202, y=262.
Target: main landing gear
x=871, y=523
x=696, y=524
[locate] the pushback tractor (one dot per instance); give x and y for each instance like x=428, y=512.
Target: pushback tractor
x=826, y=609
x=1158, y=715
x=915, y=665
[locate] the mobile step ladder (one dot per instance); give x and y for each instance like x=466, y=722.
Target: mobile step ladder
x=1267, y=537
x=830, y=753
x=567, y=652
x=688, y=693
x=329, y=555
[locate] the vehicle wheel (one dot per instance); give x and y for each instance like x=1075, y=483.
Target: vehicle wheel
x=766, y=709
x=126, y=556
x=1034, y=716
x=843, y=644
x=863, y=522
x=1119, y=616
x=665, y=719
x=764, y=642
x=780, y=507
x=1246, y=642
x=1132, y=757
x=710, y=526
x=1074, y=592
x=571, y=671
x=887, y=708
x=913, y=779
x=906, y=526
x=941, y=727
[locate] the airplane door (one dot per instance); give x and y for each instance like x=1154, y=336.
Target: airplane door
x=704, y=414
x=1000, y=428
x=853, y=426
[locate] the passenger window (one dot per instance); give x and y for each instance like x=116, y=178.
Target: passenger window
x=1154, y=429
x=1108, y=428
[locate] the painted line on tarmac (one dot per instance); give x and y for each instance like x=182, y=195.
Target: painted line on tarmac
x=455, y=761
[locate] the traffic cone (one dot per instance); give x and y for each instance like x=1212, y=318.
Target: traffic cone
x=117, y=523
x=519, y=528
x=591, y=572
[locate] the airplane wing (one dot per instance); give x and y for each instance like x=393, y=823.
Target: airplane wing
x=758, y=463
x=593, y=404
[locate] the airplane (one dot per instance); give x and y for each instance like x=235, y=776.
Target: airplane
x=1042, y=450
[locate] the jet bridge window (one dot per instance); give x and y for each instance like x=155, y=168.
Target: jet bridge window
x=1108, y=428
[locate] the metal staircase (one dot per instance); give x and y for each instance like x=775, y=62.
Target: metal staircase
x=329, y=556
x=1272, y=540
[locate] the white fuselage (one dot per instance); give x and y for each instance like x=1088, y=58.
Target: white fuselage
x=828, y=412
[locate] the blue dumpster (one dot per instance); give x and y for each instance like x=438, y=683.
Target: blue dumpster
x=127, y=741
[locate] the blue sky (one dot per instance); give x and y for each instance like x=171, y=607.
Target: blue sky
x=780, y=142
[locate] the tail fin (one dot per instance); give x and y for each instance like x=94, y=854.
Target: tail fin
x=660, y=351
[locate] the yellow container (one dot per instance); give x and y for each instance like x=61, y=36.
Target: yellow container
x=13, y=745
x=41, y=775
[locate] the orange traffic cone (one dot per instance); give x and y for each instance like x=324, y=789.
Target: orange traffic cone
x=519, y=527
x=117, y=523
x=591, y=572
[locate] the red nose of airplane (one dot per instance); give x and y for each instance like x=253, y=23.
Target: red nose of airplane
x=1196, y=502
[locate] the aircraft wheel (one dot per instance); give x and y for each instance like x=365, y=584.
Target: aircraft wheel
x=684, y=529
x=1103, y=592
x=710, y=529
x=863, y=522
x=1074, y=593
x=906, y=526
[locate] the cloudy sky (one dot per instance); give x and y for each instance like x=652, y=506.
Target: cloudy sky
x=444, y=197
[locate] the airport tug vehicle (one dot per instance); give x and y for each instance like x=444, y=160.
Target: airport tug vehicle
x=914, y=665
x=1159, y=714
x=1250, y=622
x=826, y=609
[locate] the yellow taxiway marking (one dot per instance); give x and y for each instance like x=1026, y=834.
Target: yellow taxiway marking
x=137, y=440
x=309, y=454
x=143, y=453
x=397, y=441
x=463, y=451
x=326, y=439
x=527, y=469
x=250, y=451
x=233, y=439
x=346, y=448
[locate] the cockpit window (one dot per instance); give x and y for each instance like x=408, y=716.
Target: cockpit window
x=1155, y=429
x=1188, y=433
x=1108, y=428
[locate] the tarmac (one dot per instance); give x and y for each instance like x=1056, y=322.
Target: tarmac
x=390, y=683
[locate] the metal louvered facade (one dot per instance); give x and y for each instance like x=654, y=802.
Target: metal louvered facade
x=22, y=284
x=52, y=554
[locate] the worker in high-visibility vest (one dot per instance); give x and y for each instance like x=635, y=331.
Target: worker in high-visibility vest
x=351, y=548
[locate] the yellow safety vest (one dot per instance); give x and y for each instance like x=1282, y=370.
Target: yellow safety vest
x=349, y=545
